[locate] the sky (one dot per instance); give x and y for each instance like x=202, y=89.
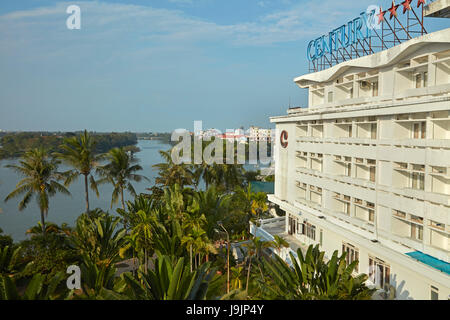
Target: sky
x=155, y=66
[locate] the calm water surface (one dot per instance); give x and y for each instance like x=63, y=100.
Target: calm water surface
x=67, y=208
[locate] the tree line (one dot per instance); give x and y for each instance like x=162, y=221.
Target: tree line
x=16, y=144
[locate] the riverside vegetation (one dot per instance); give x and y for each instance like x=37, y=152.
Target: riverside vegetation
x=174, y=234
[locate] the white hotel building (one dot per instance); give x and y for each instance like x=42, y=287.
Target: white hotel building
x=366, y=168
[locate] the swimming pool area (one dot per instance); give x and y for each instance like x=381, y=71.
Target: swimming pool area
x=430, y=261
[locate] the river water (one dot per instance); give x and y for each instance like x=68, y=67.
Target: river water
x=67, y=208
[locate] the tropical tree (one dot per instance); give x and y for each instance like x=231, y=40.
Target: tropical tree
x=279, y=243
x=5, y=240
x=251, y=202
x=96, y=278
x=167, y=239
x=259, y=204
x=79, y=152
x=175, y=202
x=99, y=239
x=170, y=173
x=35, y=290
x=312, y=278
x=50, y=227
x=142, y=233
x=120, y=171
x=40, y=180
x=9, y=259
x=171, y=280
x=254, y=248
x=214, y=206
x=237, y=273
x=140, y=203
x=197, y=242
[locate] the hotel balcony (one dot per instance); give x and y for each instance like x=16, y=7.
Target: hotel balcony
x=267, y=231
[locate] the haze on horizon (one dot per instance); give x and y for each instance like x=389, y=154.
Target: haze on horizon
x=158, y=65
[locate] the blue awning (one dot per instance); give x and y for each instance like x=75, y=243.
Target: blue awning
x=430, y=261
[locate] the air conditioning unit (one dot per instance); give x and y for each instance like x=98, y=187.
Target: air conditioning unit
x=364, y=84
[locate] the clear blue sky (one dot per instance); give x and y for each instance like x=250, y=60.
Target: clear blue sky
x=159, y=65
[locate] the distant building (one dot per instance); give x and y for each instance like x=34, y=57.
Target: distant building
x=259, y=134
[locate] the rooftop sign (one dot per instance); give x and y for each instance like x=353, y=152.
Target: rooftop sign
x=372, y=31
x=357, y=29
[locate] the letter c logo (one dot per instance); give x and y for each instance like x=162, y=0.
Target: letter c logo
x=310, y=57
x=284, y=138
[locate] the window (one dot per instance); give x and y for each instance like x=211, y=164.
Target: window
x=416, y=232
x=351, y=93
x=437, y=225
x=292, y=225
x=434, y=293
x=347, y=208
x=352, y=254
x=441, y=170
x=375, y=89
x=419, y=130
x=400, y=214
x=402, y=165
x=330, y=96
x=309, y=230
x=371, y=215
x=417, y=181
x=373, y=130
x=372, y=174
x=416, y=219
x=421, y=79
x=379, y=272
x=348, y=169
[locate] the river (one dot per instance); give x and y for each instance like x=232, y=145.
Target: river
x=67, y=208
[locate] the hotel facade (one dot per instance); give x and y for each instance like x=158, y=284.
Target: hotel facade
x=365, y=168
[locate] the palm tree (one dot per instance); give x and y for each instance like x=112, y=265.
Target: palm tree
x=171, y=173
x=214, y=205
x=279, y=243
x=197, y=241
x=255, y=203
x=79, y=152
x=254, y=248
x=63, y=230
x=142, y=233
x=238, y=273
x=40, y=179
x=192, y=223
x=120, y=172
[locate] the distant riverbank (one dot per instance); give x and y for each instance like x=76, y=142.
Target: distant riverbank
x=14, y=144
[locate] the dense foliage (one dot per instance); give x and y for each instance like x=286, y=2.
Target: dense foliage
x=172, y=241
